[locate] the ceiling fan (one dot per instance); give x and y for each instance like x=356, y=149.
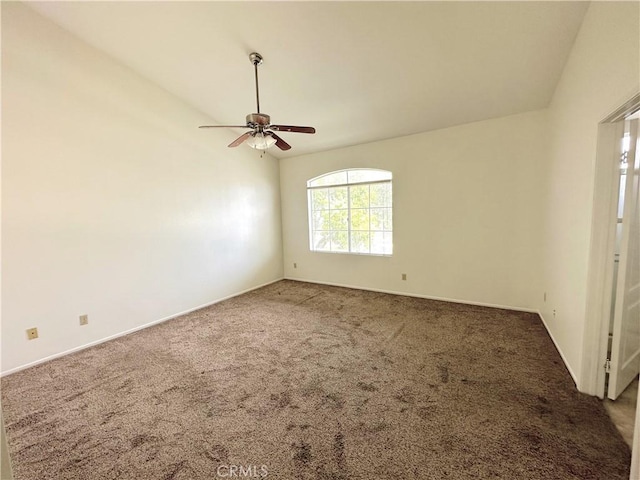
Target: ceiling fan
x=262, y=134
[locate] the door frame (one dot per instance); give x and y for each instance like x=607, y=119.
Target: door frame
x=602, y=250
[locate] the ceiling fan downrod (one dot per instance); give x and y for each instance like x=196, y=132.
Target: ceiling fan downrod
x=256, y=59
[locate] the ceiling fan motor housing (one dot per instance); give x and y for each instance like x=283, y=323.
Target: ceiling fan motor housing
x=258, y=119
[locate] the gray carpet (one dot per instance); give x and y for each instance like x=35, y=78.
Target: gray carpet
x=302, y=381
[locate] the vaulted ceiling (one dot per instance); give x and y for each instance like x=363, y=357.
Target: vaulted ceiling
x=357, y=71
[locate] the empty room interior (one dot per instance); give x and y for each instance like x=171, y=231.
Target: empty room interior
x=320, y=240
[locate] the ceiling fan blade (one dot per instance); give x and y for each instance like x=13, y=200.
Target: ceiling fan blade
x=280, y=143
x=240, y=139
x=223, y=126
x=292, y=128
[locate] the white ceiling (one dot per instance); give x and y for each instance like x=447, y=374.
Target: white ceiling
x=357, y=71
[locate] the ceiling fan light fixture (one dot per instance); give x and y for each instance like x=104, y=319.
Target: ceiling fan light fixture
x=261, y=141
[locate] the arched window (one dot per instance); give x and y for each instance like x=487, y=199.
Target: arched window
x=350, y=211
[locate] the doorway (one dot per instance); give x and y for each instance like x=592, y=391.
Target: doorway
x=623, y=352
x=610, y=353
x=622, y=364
x=600, y=351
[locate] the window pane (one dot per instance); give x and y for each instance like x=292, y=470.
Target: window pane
x=377, y=217
x=360, y=242
x=381, y=195
x=377, y=243
x=359, y=219
x=338, y=198
x=388, y=243
x=339, y=241
x=320, y=199
x=365, y=175
x=388, y=219
x=339, y=220
x=360, y=196
x=322, y=241
x=335, y=178
x=321, y=220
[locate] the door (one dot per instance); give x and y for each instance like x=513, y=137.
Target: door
x=625, y=347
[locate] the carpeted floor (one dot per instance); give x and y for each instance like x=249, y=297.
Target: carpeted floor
x=302, y=381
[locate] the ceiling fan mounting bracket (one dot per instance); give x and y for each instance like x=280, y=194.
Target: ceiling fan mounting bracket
x=255, y=58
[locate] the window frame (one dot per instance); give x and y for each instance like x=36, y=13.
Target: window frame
x=389, y=205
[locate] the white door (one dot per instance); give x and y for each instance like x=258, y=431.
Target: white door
x=625, y=348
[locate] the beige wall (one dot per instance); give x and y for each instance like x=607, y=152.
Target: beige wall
x=114, y=204
x=601, y=74
x=467, y=213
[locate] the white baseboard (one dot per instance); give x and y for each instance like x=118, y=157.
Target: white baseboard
x=392, y=292
x=417, y=295
x=564, y=359
x=131, y=330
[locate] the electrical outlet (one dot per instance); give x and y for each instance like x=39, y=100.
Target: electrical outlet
x=554, y=312
x=32, y=333
x=545, y=296
x=404, y=276
x=295, y=265
x=84, y=319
